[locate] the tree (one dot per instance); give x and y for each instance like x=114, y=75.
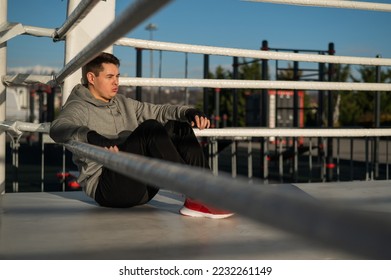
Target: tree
x=357, y=108
x=247, y=71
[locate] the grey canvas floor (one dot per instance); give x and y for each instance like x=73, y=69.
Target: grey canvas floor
x=69, y=225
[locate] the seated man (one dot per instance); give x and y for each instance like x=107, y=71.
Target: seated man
x=95, y=114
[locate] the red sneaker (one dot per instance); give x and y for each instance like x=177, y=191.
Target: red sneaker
x=193, y=208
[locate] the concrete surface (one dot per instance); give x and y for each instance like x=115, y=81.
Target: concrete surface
x=69, y=225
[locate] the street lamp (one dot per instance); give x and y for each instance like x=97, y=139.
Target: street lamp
x=151, y=27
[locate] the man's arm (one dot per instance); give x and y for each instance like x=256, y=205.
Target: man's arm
x=163, y=113
x=197, y=118
x=70, y=124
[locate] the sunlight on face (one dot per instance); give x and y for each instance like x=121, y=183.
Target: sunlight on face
x=105, y=86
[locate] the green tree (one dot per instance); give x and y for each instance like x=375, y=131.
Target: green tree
x=357, y=108
x=247, y=71
x=341, y=73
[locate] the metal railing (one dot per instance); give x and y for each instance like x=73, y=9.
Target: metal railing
x=301, y=160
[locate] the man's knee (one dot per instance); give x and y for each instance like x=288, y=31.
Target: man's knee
x=151, y=127
x=179, y=128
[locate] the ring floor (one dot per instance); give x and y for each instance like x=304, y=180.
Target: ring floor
x=69, y=225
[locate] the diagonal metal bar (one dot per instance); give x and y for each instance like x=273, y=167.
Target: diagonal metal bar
x=133, y=15
x=78, y=14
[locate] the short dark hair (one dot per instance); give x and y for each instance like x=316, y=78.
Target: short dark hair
x=95, y=65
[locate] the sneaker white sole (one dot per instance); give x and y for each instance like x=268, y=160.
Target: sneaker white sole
x=188, y=212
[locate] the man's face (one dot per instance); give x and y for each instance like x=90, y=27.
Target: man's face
x=104, y=86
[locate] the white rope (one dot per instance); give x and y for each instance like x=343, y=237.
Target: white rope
x=25, y=79
x=200, y=49
x=252, y=84
x=232, y=52
x=293, y=132
x=381, y=7
x=133, y=15
x=19, y=127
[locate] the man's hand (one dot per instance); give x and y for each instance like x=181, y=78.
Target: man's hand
x=197, y=118
x=113, y=149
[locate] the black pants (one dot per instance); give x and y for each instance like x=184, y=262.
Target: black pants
x=173, y=142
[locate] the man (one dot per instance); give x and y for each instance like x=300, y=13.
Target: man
x=95, y=114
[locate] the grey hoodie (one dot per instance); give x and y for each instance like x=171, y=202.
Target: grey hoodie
x=82, y=113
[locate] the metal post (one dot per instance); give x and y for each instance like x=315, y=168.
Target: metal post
x=206, y=76
x=295, y=94
x=186, y=75
x=234, y=155
x=3, y=72
x=151, y=27
x=265, y=163
x=76, y=39
x=32, y=116
x=265, y=96
x=159, y=92
x=264, y=114
x=43, y=164
x=235, y=92
x=330, y=120
x=50, y=104
x=15, y=163
x=249, y=159
x=319, y=115
x=295, y=121
x=377, y=125
x=40, y=93
x=319, y=118
x=217, y=107
x=139, y=71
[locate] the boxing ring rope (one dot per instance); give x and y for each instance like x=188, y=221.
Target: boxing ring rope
x=253, y=84
x=75, y=64
x=257, y=54
x=347, y=4
x=223, y=51
x=18, y=127
x=24, y=79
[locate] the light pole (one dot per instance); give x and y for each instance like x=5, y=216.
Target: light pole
x=151, y=27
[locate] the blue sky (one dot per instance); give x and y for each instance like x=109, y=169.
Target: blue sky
x=224, y=23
